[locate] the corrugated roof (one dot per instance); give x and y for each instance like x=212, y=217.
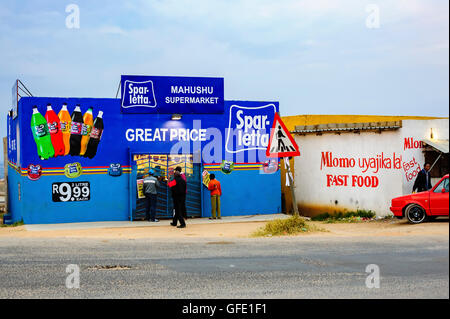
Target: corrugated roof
x=348, y=127
x=440, y=145
x=297, y=120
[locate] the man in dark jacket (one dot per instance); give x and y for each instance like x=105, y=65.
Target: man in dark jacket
x=183, y=176
x=151, y=185
x=423, y=180
x=178, y=188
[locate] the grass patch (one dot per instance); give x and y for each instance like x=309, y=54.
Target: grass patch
x=345, y=217
x=19, y=223
x=288, y=226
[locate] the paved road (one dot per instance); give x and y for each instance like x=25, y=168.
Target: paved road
x=298, y=267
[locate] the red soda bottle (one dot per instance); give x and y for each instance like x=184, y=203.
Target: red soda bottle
x=54, y=126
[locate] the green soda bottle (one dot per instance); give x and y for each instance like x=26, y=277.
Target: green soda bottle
x=41, y=135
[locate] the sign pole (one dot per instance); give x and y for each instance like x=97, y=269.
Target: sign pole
x=282, y=145
x=291, y=184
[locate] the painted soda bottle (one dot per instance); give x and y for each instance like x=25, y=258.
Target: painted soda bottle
x=54, y=127
x=41, y=135
x=88, y=121
x=76, y=127
x=96, y=135
x=65, y=120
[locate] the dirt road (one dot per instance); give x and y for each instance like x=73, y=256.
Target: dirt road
x=239, y=230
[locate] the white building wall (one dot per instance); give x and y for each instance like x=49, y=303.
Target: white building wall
x=326, y=187
x=418, y=130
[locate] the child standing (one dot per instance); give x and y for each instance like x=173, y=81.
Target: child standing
x=216, y=192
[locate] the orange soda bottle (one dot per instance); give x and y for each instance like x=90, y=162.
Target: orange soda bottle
x=65, y=119
x=88, y=121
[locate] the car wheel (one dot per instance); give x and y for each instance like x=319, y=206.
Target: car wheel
x=415, y=214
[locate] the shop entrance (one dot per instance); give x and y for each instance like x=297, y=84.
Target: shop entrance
x=164, y=165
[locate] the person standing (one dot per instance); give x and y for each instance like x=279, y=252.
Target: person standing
x=183, y=176
x=423, y=180
x=178, y=188
x=151, y=185
x=216, y=192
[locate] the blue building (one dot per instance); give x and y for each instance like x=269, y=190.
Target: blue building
x=159, y=123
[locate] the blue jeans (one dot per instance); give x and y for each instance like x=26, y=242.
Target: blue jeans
x=150, y=206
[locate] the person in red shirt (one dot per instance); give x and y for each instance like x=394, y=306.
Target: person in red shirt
x=216, y=192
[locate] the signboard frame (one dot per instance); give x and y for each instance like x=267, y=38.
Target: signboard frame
x=171, y=95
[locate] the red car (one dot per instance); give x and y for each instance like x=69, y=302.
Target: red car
x=424, y=205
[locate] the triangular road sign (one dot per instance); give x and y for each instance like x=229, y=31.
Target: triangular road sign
x=281, y=142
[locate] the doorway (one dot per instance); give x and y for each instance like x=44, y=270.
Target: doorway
x=163, y=166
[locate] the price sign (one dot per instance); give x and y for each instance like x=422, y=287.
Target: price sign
x=205, y=177
x=71, y=192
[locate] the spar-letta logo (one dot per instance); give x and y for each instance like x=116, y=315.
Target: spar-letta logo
x=115, y=169
x=34, y=172
x=270, y=166
x=227, y=167
x=73, y=170
x=138, y=93
x=249, y=127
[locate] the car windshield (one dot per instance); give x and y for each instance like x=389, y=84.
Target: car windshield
x=443, y=185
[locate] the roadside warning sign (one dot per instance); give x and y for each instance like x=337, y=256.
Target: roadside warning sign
x=281, y=142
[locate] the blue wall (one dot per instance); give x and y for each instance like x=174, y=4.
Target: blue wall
x=108, y=201
x=14, y=205
x=244, y=192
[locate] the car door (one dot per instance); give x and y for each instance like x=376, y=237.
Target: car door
x=439, y=198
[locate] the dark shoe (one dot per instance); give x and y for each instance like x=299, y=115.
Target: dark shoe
x=219, y=217
x=212, y=217
x=154, y=220
x=172, y=224
x=181, y=226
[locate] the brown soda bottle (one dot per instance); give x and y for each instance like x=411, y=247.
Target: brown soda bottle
x=76, y=131
x=95, y=136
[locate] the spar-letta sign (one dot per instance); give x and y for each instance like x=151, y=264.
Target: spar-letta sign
x=249, y=126
x=172, y=95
